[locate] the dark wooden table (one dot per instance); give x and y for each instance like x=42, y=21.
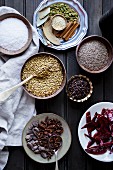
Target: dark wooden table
x=76, y=158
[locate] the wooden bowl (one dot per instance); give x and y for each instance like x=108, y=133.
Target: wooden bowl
x=26, y=22
x=108, y=46
x=63, y=71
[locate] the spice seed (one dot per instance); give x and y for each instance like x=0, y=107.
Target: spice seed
x=93, y=55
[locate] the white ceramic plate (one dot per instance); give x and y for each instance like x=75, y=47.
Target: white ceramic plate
x=66, y=137
x=80, y=33
x=107, y=157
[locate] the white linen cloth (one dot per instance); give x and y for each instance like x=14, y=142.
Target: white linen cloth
x=16, y=111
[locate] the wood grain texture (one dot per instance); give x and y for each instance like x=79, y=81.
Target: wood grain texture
x=2, y=2
x=108, y=79
x=74, y=113
x=16, y=159
x=76, y=158
x=16, y=4
x=94, y=11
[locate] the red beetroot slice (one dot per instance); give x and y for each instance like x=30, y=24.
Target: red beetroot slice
x=96, y=150
x=88, y=120
x=103, y=124
x=108, y=113
x=92, y=125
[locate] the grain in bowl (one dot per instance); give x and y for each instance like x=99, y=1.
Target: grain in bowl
x=94, y=54
x=48, y=84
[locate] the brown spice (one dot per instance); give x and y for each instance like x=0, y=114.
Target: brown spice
x=71, y=32
x=66, y=29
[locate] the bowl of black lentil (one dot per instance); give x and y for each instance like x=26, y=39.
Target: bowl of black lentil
x=94, y=54
x=79, y=88
x=47, y=85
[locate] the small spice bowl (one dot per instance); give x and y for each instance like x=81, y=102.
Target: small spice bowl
x=49, y=75
x=79, y=88
x=94, y=54
x=58, y=22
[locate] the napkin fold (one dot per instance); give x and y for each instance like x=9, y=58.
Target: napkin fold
x=17, y=110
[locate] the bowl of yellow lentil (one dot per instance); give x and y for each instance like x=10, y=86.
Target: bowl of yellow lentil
x=49, y=75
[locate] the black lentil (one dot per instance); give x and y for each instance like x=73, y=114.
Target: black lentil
x=78, y=88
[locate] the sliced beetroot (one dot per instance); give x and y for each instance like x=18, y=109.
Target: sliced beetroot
x=88, y=120
x=103, y=136
x=96, y=150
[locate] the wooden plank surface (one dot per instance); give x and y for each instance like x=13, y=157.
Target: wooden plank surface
x=76, y=158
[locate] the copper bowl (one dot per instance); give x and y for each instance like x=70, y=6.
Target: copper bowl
x=108, y=46
x=63, y=71
x=90, y=90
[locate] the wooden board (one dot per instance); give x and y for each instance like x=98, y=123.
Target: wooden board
x=76, y=158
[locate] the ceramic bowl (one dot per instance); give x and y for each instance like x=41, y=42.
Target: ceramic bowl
x=96, y=108
x=92, y=68
x=63, y=71
x=26, y=22
x=65, y=135
x=56, y=17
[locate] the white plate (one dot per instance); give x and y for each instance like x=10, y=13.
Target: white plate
x=107, y=157
x=81, y=31
x=66, y=137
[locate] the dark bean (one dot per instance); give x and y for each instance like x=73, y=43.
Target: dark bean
x=36, y=151
x=36, y=129
x=34, y=148
x=34, y=138
x=46, y=133
x=28, y=137
x=41, y=148
x=35, y=124
x=41, y=126
x=30, y=127
x=43, y=154
x=44, y=123
x=29, y=132
x=29, y=145
x=40, y=134
x=35, y=133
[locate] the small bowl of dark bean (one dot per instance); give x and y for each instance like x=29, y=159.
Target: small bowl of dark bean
x=43, y=135
x=79, y=88
x=94, y=54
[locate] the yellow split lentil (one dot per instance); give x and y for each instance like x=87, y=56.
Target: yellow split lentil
x=45, y=85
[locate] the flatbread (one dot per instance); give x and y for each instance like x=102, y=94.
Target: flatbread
x=47, y=29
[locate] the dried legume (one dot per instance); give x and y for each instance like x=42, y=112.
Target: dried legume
x=78, y=88
x=44, y=137
x=45, y=85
